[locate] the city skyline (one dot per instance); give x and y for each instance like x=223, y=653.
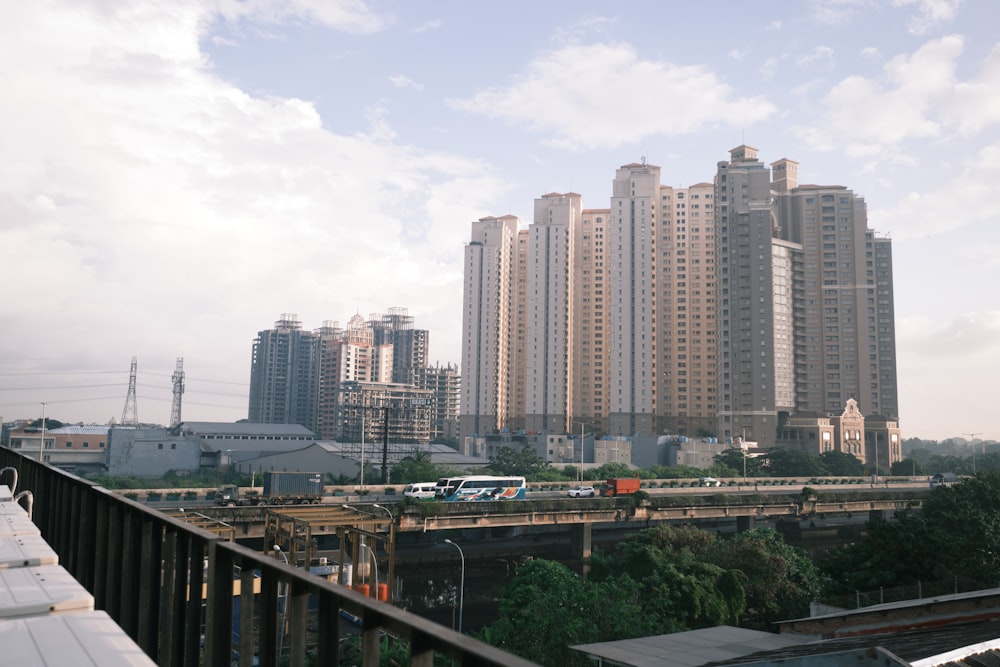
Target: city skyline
x=177, y=176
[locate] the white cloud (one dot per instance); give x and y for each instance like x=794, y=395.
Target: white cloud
x=158, y=211
x=403, y=81
x=583, y=97
x=346, y=15
x=930, y=13
x=871, y=116
x=821, y=57
x=428, y=26
x=922, y=214
x=838, y=12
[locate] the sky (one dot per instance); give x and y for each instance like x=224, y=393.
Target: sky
x=177, y=175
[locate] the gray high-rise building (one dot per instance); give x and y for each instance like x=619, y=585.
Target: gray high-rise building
x=284, y=375
x=805, y=306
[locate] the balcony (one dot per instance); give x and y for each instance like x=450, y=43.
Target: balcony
x=173, y=588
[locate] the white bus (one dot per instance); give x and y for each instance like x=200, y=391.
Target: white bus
x=480, y=487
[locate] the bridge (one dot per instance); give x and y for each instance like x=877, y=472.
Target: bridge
x=299, y=526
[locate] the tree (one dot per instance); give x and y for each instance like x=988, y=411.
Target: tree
x=792, y=463
x=547, y=608
x=734, y=458
x=842, y=464
x=523, y=461
x=418, y=468
x=778, y=579
x=955, y=533
x=906, y=467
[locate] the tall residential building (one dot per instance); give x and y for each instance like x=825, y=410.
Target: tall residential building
x=755, y=275
x=804, y=323
x=590, y=378
x=488, y=320
x=284, y=375
x=631, y=304
x=549, y=323
x=686, y=302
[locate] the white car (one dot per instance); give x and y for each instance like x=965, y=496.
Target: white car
x=709, y=481
x=581, y=492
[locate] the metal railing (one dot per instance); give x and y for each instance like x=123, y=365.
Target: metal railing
x=173, y=588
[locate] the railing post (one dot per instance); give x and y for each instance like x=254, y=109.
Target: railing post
x=219, y=607
x=298, y=621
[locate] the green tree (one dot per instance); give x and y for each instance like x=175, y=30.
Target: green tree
x=955, y=533
x=906, y=467
x=778, y=579
x=418, y=468
x=842, y=464
x=523, y=461
x=547, y=608
x=792, y=463
x=733, y=458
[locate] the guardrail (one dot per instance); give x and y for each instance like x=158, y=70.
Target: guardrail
x=172, y=588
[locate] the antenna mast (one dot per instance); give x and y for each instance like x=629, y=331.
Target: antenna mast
x=130, y=414
x=178, y=381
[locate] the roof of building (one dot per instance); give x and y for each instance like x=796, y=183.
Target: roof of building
x=79, y=429
x=244, y=428
x=690, y=649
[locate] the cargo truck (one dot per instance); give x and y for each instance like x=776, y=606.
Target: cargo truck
x=620, y=486
x=280, y=488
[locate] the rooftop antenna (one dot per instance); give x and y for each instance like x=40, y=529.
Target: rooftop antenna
x=130, y=414
x=178, y=381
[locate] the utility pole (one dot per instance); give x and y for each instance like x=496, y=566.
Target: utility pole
x=972, y=441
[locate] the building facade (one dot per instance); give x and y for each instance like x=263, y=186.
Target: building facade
x=284, y=375
x=748, y=307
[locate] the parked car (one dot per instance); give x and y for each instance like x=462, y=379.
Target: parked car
x=709, y=481
x=582, y=492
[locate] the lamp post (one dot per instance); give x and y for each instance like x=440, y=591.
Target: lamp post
x=461, y=586
x=582, y=440
x=374, y=563
x=41, y=447
x=384, y=509
x=284, y=608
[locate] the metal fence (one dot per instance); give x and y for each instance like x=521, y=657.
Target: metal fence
x=175, y=589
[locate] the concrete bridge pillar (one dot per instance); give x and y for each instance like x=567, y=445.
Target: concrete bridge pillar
x=745, y=523
x=580, y=540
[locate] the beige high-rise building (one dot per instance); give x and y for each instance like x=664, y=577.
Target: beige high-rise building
x=590, y=379
x=631, y=300
x=549, y=321
x=686, y=296
x=488, y=326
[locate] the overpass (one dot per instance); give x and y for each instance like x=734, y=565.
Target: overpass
x=298, y=526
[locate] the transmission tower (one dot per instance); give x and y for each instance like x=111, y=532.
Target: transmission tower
x=130, y=414
x=178, y=381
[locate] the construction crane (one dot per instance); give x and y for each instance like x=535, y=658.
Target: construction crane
x=178, y=381
x=130, y=413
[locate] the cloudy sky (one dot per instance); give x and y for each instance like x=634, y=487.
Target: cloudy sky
x=176, y=175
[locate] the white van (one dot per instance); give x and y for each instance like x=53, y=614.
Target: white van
x=421, y=490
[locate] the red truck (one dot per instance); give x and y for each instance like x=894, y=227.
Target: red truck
x=621, y=486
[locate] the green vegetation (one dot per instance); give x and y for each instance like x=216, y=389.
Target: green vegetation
x=660, y=580
x=955, y=533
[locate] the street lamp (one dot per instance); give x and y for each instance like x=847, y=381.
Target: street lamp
x=375, y=563
x=41, y=447
x=582, y=438
x=384, y=509
x=461, y=587
x=284, y=609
